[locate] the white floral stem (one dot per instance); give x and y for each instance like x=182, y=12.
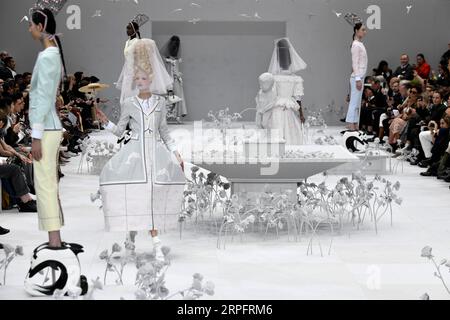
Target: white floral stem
x=440, y=275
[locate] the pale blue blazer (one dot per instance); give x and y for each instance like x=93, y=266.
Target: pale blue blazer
x=44, y=85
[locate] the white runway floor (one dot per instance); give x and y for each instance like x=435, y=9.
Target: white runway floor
x=362, y=265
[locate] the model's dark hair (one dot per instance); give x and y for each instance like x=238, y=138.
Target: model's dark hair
x=135, y=27
x=39, y=18
x=356, y=28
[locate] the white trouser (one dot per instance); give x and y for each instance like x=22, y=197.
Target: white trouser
x=426, y=141
x=354, y=106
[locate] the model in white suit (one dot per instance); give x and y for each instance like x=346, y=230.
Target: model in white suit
x=129, y=182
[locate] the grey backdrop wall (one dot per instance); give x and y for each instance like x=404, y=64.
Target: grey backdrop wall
x=221, y=61
x=321, y=38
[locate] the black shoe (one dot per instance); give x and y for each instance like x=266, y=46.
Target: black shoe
x=343, y=120
x=423, y=164
x=427, y=174
x=30, y=206
x=443, y=176
x=2, y=232
x=447, y=179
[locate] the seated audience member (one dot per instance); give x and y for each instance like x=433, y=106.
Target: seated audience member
x=423, y=68
x=396, y=127
x=438, y=108
x=394, y=92
x=427, y=138
x=446, y=55
x=7, y=71
x=367, y=106
x=402, y=126
x=14, y=133
x=8, y=89
x=13, y=173
x=405, y=71
x=443, y=171
x=383, y=70
x=26, y=80
x=440, y=145
x=443, y=78
x=3, y=55
x=380, y=104
x=416, y=118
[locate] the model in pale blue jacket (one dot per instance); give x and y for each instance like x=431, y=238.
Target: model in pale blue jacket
x=44, y=85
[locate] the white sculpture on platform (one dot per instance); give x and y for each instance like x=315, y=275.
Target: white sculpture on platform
x=265, y=99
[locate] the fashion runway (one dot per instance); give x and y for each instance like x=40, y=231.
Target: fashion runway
x=361, y=265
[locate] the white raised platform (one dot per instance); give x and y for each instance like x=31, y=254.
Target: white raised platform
x=277, y=170
x=377, y=163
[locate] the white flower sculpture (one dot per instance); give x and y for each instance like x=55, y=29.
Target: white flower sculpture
x=427, y=253
x=222, y=119
x=313, y=207
x=151, y=273
x=10, y=254
x=96, y=154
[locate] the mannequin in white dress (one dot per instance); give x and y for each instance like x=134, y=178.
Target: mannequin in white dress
x=286, y=115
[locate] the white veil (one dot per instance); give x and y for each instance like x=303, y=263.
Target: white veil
x=297, y=63
x=161, y=79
